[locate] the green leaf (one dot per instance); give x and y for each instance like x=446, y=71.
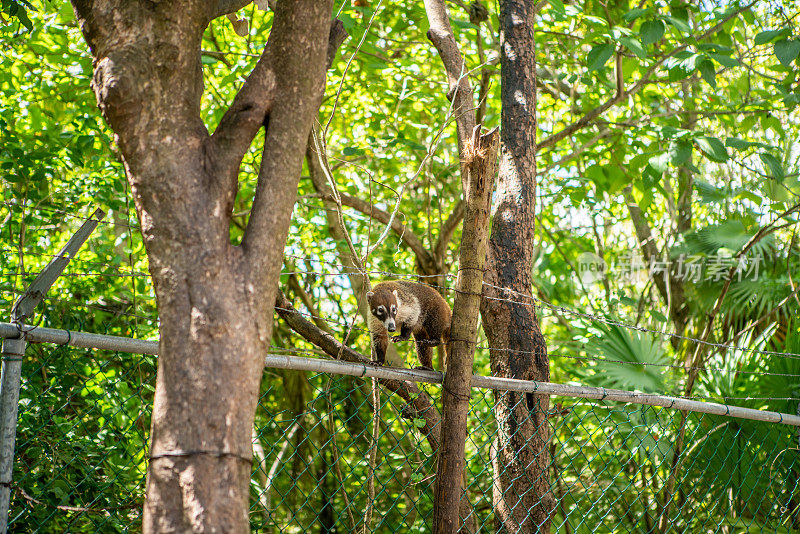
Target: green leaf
x=679, y=73
x=660, y=162
x=413, y=145
x=787, y=50
x=651, y=31
x=774, y=165
x=658, y=316
x=419, y=423
x=680, y=152
x=722, y=59
x=598, y=56
x=749, y=195
x=738, y=144
x=634, y=14
x=708, y=72
x=634, y=45
x=463, y=24
x=22, y=15
x=352, y=151
x=768, y=36
x=680, y=25
x=709, y=193
x=633, y=359
x=713, y=148
x=558, y=6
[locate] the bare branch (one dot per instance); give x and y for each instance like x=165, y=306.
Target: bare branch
x=406, y=235
x=460, y=91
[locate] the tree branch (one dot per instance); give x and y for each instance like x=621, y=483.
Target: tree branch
x=460, y=91
x=298, y=67
x=251, y=106
x=669, y=286
x=407, y=236
x=418, y=402
x=297, y=289
x=228, y=6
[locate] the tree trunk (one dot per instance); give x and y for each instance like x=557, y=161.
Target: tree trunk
x=215, y=300
x=520, y=457
x=463, y=336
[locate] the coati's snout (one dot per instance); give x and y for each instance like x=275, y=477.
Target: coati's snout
x=383, y=305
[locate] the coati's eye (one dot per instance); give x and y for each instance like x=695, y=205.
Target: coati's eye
x=394, y=309
x=381, y=311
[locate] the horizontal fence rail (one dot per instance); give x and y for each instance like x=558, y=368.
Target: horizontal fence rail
x=35, y=334
x=139, y=346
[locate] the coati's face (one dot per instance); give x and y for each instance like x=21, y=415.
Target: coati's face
x=383, y=305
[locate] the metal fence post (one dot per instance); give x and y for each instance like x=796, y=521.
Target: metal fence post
x=14, y=350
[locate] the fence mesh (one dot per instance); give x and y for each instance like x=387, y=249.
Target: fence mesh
x=81, y=458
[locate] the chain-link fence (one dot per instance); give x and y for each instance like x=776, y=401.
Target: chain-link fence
x=82, y=448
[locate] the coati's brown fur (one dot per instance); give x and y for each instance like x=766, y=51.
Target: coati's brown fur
x=410, y=308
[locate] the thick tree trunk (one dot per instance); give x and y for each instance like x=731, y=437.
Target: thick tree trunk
x=523, y=502
x=215, y=300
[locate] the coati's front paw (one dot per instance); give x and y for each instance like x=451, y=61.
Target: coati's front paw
x=395, y=339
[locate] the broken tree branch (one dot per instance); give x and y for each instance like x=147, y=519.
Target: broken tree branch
x=481, y=173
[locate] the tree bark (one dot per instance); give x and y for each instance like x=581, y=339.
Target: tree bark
x=520, y=457
x=215, y=300
x=481, y=170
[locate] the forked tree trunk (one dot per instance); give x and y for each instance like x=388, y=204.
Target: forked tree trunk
x=215, y=300
x=520, y=458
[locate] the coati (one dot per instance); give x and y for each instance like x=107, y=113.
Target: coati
x=410, y=308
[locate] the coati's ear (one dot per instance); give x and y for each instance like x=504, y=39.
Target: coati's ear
x=370, y=294
x=396, y=296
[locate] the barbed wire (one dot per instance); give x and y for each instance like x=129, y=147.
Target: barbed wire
x=529, y=300
x=537, y=303
x=81, y=217
x=77, y=259
x=71, y=274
